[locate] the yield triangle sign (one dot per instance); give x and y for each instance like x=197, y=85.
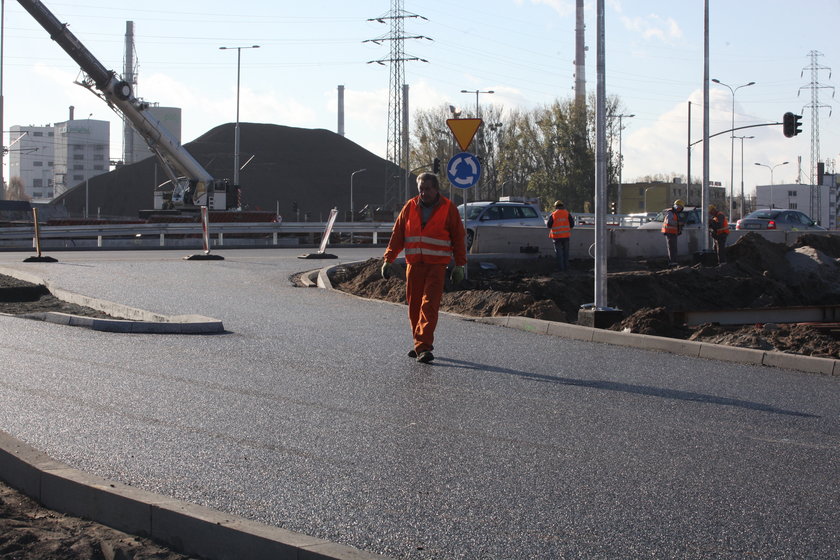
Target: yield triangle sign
x=464, y=130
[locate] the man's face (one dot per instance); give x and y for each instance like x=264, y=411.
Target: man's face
x=428, y=192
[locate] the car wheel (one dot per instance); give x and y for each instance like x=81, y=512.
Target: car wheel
x=470, y=236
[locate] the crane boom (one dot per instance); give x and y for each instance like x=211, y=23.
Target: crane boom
x=192, y=184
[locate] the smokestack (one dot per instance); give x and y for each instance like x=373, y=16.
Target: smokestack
x=130, y=77
x=580, y=58
x=72, y=110
x=341, y=110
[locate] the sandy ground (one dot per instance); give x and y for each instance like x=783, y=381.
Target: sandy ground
x=29, y=532
x=757, y=274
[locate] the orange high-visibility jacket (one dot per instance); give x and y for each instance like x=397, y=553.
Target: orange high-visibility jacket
x=442, y=237
x=560, y=226
x=722, y=224
x=671, y=225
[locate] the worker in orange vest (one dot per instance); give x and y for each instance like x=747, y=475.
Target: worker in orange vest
x=430, y=230
x=719, y=228
x=560, y=225
x=672, y=227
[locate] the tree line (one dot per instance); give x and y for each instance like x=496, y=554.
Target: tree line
x=546, y=153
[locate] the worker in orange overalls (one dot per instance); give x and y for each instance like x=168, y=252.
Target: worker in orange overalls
x=672, y=227
x=560, y=225
x=719, y=228
x=430, y=230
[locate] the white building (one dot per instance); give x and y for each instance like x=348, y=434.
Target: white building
x=82, y=151
x=31, y=157
x=135, y=148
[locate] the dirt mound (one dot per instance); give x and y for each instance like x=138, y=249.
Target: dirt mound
x=758, y=274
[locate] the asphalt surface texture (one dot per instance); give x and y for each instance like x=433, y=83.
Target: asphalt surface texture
x=307, y=414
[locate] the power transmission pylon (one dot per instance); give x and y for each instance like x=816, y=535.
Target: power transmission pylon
x=397, y=150
x=815, y=107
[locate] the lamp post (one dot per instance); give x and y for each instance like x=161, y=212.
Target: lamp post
x=732, y=143
x=771, y=168
x=352, y=212
x=236, y=129
x=620, y=159
x=742, y=138
x=2, y=136
x=477, y=115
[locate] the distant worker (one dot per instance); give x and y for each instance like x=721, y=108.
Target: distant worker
x=430, y=230
x=672, y=227
x=560, y=225
x=719, y=228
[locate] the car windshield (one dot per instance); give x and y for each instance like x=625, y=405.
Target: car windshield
x=475, y=210
x=763, y=215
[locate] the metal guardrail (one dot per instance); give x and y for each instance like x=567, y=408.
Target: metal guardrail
x=272, y=233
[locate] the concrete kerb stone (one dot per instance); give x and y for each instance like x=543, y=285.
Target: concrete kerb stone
x=132, y=320
x=187, y=528
x=808, y=364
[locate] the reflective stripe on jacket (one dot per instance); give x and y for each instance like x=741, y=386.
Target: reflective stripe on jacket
x=560, y=227
x=722, y=223
x=431, y=244
x=671, y=225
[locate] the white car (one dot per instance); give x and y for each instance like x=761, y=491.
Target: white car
x=503, y=214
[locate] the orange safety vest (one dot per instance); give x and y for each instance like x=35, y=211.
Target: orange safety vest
x=720, y=218
x=431, y=244
x=560, y=224
x=672, y=223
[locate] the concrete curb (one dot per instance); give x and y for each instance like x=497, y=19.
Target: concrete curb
x=186, y=528
x=133, y=320
x=808, y=364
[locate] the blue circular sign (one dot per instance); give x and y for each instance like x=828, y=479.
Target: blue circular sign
x=463, y=170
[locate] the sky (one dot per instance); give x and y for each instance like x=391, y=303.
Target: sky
x=523, y=50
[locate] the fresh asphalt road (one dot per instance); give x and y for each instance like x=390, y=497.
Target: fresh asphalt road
x=307, y=415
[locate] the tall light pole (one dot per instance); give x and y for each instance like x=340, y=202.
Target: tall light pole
x=477, y=115
x=2, y=136
x=620, y=160
x=352, y=212
x=732, y=144
x=771, y=168
x=742, y=138
x=236, y=129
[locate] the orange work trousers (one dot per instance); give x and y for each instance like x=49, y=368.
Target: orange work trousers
x=423, y=290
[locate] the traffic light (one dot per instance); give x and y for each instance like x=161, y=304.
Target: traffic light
x=436, y=166
x=791, y=124
x=612, y=207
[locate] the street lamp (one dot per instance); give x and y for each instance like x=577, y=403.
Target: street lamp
x=742, y=138
x=620, y=159
x=771, y=168
x=732, y=143
x=236, y=129
x=352, y=212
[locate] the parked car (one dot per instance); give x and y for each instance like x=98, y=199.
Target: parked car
x=502, y=214
x=690, y=218
x=789, y=220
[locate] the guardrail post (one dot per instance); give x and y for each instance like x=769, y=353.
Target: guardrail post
x=274, y=238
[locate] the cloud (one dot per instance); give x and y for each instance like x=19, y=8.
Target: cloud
x=654, y=27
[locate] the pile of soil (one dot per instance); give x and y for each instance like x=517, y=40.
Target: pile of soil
x=757, y=274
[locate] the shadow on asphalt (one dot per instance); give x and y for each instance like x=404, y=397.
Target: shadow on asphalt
x=646, y=390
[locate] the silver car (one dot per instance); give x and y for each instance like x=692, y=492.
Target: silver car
x=689, y=218
x=503, y=214
x=789, y=220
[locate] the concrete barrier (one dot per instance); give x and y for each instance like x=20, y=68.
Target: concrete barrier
x=621, y=242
